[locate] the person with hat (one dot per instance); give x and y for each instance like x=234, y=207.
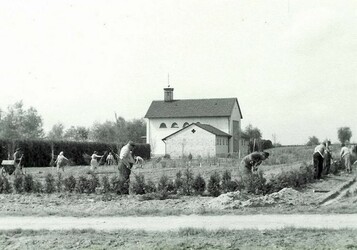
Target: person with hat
x=94, y=162
x=126, y=162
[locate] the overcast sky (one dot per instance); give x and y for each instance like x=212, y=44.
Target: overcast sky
x=291, y=64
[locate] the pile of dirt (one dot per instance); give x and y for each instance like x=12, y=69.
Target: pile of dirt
x=234, y=200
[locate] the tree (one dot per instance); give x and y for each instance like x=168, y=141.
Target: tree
x=78, y=133
x=344, y=134
x=57, y=132
x=266, y=144
x=313, y=140
x=119, y=131
x=251, y=132
x=105, y=132
x=19, y=123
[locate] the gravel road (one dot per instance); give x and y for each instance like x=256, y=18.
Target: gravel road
x=152, y=223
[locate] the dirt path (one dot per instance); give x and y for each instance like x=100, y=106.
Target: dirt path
x=261, y=222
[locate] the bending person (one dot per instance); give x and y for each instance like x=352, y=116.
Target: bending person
x=250, y=163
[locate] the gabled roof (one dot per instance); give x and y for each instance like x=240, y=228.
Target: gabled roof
x=206, y=127
x=216, y=107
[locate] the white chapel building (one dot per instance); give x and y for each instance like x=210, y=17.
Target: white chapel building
x=200, y=127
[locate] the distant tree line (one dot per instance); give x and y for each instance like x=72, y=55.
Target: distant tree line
x=19, y=123
x=344, y=135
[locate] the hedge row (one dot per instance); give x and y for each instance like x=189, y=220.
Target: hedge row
x=38, y=153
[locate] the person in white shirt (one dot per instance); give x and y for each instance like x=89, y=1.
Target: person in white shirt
x=345, y=155
x=110, y=159
x=61, y=161
x=126, y=162
x=318, y=159
x=94, y=162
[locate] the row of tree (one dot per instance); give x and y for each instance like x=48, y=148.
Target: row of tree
x=17, y=122
x=344, y=135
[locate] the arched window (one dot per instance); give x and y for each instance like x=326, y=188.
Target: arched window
x=185, y=125
x=163, y=125
x=174, y=125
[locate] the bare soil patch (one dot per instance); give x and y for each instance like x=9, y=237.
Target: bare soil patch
x=287, y=238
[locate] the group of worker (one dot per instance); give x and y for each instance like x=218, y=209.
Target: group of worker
x=322, y=157
x=126, y=162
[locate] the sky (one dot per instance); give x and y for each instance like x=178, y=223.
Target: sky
x=291, y=63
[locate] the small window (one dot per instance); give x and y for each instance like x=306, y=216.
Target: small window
x=163, y=125
x=185, y=125
x=174, y=125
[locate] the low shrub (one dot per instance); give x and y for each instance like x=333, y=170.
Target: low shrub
x=214, y=187
x=92, y=183
x=119, y=185
x=294, y=178
x=226, y=179
x=5, y=186
x=199, y=185
x=82, y=185
x=150, y=187
x=187, y=181
x=138, y=185
x=69, y=184
x=106, y=184
x=37, y=186
x=255, y=183
x=18, y=183
x=50, y=186
x=59, y=182
x=165, y=184
x=178, y=183
x=28, y=183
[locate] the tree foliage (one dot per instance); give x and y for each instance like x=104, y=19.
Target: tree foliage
x=344, y=134
x=120, y=131
x=78, y=133
x=56, y=132
x=313, y=140
x=20, y=123
x=251, y=132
